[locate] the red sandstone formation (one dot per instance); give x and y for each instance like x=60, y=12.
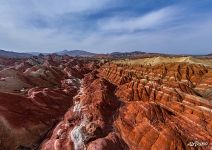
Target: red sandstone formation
x=89, y=121
x=163, y=108
x=30, y=117
x=33, y=98
x=64, y=103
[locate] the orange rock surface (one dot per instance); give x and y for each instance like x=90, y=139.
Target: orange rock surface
x=162, y=107
x=67, y=103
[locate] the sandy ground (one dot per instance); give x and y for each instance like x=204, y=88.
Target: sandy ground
x=159, y=60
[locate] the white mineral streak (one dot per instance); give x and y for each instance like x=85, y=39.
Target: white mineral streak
x=78, y=134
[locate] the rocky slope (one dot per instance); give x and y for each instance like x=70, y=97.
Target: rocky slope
x=65, y=103
x=163, y=108
x=34, y=96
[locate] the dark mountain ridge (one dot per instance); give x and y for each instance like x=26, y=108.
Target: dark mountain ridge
x=75, y=53
x=83, y=53
x=11, y=54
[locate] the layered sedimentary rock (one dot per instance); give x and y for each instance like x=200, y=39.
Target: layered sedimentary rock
x=89, y=123
x=25, y=120
x=64, y=103
x=34, y=96
x=162, y=107
x=138, y=107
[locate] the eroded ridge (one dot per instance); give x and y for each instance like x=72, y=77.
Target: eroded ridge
x=67, y=103
x=34, y=94
x=164, y=105
x=89, y=123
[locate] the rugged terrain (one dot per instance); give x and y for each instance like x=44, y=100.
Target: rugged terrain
x=63, y=103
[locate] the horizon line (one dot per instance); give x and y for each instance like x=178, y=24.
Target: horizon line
x=113, y=51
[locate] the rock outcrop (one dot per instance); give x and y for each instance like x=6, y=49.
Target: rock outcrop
x=34, y=96
x=162, y=107
x=89, y=123
x=66, y=103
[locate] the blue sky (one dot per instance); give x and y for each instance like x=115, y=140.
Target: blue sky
x=103, y=26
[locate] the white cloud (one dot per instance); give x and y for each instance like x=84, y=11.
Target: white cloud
x=20, y=12
x=16, y=32
x=59, y=7
x=130, y=24
x=191, y=38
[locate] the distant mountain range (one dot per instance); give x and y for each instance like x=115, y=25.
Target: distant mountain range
x=75, y=53
x=10, y=54
x=81, y=53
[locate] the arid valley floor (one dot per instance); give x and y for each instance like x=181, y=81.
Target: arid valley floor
x=57, y=102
